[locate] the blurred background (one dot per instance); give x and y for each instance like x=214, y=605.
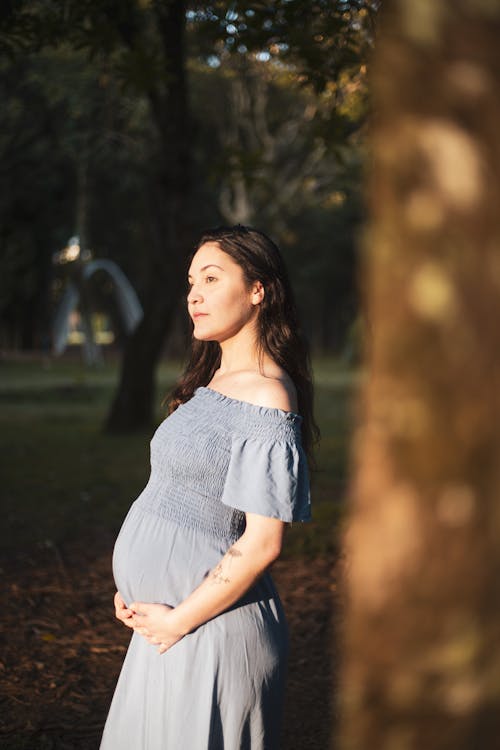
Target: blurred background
x=127, y=127
x=260, y=111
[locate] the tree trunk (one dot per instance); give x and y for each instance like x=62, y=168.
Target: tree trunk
x=171, y=236
x=421, y=639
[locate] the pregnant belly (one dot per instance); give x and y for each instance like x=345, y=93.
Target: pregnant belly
x=156, y=560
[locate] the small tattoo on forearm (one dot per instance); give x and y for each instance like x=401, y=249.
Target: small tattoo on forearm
x=219, y=574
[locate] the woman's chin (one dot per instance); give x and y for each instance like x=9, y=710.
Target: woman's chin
x=203, y=336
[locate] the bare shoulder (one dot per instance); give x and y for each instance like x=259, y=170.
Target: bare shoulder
x=274, y=389
x=276, y=393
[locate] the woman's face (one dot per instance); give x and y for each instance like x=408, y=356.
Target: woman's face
x=220, y=302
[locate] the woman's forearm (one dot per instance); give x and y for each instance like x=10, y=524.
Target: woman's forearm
x=241, y=566
x=231, y=578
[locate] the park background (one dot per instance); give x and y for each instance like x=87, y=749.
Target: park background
x=373, y=161
x=134, y=126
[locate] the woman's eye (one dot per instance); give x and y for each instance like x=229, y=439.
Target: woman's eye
x=210, y=279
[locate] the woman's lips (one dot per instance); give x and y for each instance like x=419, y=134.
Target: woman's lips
x=199, y=315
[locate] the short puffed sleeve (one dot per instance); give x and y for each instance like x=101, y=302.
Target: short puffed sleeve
x=268, y=477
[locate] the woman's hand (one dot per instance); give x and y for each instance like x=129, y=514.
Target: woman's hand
x=122, y=612
x=155, y=623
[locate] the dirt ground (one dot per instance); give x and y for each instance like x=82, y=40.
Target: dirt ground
x=61, y=649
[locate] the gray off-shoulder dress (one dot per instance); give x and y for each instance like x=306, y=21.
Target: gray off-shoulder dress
x=221, y=687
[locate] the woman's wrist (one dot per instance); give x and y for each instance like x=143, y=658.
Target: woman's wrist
x=177, y=623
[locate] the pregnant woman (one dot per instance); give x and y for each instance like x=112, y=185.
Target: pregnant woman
x=206, y=665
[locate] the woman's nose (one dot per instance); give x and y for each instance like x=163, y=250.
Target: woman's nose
x=194, y=295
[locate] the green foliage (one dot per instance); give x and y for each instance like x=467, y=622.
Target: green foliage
x=318, y=39
x=278, y=99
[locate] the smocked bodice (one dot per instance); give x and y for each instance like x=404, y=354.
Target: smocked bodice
x=216, y=457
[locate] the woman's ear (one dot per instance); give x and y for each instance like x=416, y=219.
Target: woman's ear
x=257, y=293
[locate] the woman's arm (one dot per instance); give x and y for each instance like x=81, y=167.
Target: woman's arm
x=241, y=566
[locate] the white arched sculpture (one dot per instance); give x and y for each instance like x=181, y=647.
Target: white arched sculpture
x=128, y=304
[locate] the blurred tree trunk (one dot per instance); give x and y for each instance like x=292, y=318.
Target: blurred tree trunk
x=422, y=631
x=169, y=200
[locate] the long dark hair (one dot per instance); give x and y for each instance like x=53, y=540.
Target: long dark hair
x=277, y=324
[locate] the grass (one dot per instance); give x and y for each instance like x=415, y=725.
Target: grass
x=64, y=478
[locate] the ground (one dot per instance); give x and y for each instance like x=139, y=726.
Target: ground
x=61, y=648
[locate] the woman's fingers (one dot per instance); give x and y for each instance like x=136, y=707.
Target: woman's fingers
x=122, y=612
x=144, y=632
x=150, y=620
x=125, y=619
x=118, y=600
x=135, y=616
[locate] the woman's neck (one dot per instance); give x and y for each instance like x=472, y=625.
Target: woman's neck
x=240, y=352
